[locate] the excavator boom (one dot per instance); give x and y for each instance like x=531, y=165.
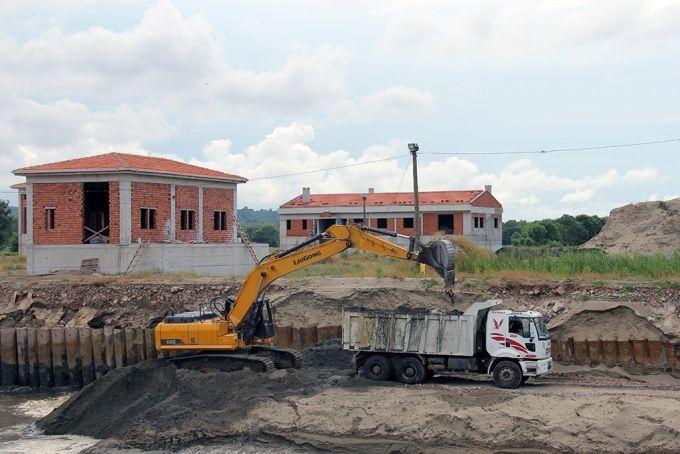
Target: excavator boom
x=246, y=324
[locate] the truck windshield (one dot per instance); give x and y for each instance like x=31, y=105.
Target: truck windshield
x=541, y=329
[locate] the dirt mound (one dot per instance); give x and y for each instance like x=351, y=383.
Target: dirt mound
x=153, y=405
x=647, y=227
x=618, y=323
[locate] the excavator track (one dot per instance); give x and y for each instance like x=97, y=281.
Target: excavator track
x=283, y=358
x=222, y=362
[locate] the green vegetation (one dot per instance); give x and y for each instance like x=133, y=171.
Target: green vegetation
x=8, y=228
x=261, y=226
x=564, y=231
x=12, y=262
x=573, y=264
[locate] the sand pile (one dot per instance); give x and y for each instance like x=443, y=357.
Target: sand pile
x=617, y=323
x=647, y=227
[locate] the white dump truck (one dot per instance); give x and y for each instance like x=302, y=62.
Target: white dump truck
x=413, y=344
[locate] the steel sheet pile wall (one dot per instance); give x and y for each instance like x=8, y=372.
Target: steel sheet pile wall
x=57, y=357
x=629, y=354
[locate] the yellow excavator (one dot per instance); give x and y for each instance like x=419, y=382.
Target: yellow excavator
x=233, y=334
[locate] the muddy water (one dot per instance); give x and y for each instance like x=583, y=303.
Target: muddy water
x=18, y=412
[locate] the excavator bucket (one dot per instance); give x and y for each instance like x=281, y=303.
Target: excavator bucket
x=440, y=255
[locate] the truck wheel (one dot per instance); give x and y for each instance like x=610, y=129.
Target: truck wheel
x=507, y=374
x=378, y=368
x=411, y=371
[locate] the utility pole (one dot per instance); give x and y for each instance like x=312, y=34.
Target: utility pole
x=413, y=148
x=363, y=202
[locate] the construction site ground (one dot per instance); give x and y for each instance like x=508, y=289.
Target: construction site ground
x=323, y=406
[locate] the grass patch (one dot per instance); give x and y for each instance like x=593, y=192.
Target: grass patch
x=12, y=262
x=576, y=264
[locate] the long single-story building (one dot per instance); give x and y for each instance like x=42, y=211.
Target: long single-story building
x=125, y=212
x=474, y=213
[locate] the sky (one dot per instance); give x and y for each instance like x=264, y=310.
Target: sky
x=266, y=88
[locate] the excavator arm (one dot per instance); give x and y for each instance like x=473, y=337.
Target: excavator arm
x=440, y=255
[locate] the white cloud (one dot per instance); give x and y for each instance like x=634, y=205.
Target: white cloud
x=530, y=199
x=389, y=101
x=644, y=175
x=667, y=197
x=34, y=133
x=514, y=30
x=578, y=196
x=178, y=63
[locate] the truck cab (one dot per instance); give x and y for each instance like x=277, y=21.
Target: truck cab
x=521, y=337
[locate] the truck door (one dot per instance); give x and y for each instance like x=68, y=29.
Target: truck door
x=508, y=336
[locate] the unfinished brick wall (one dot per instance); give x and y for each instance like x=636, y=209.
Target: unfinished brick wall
x=186, y=198
x=296, y=227
x=410, y=231
x=22, y=207
x=67, y=200
x=114, y=212
x=486, y=200
x=151, y=195
x=217, y=200
x=458, y=223
x=430, y=223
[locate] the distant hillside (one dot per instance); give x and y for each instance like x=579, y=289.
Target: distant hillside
x=249, y=216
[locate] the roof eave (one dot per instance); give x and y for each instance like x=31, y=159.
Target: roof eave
x=26, y=173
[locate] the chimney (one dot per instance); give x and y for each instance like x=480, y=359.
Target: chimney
x=371, y=190
x=305, y=195
x=487, y=188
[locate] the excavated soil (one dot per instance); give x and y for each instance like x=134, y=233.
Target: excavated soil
x=646, y=227
x=151, y=406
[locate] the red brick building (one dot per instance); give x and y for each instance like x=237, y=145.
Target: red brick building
x=474, y=213
x=105, y=206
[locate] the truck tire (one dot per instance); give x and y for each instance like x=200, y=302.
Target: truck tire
x=378, y=368
x=411, y=371
x=507, y=374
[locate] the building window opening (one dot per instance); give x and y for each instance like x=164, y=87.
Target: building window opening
x=445, y=223
x=476, y=222
x=358, y=220
x=186, y=219
x=23, y=220
x=481, y=222
x=381, y=223
x=96, y=213
x=219, y=220
x=49, y=218
x=304, y=224
x=408, y=223
x=495, y=223
x=288, y=224
x=147, y=218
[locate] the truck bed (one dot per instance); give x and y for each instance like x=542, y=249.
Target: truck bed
x=421, y=331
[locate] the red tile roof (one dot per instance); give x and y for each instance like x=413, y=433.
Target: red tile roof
x=20, y=186
x=117, y=162
x=384, y=198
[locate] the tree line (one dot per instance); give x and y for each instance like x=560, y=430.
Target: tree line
x=564, y=231
x=9, y=240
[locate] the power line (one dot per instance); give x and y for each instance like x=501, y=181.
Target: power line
x=553, y=150
x=326, y=169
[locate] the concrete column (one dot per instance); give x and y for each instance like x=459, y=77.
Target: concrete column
x=173, y=218
x=125, y=211
x=234, y=233
x=200, y=213
x=467, y=223
x=283, y=244
x=29, y=213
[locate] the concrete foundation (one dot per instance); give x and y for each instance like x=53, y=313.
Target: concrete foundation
x=209, y=259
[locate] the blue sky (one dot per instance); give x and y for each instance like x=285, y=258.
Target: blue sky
x=264, y=88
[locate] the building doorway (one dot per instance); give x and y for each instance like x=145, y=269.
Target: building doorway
x=323, y=224
x=445, y=223
x=96, y=228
